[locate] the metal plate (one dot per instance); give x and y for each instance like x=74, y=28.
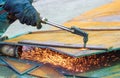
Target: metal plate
x=19, y=66
x=46, y=71
x=76, y=52
x=69, y=49
x=107, y=72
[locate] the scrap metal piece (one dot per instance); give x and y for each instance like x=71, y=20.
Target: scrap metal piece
x=70, y=49
x=5, y=72
x=107, y=72
x=18, y=65
x=46, y=71
x=74, y=50
x=62, y=45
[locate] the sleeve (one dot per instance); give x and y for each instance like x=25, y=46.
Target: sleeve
x=4, y=22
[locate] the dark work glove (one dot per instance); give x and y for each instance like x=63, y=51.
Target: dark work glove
x=24, y=11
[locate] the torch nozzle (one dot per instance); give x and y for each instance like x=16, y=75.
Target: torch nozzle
x=85, y=40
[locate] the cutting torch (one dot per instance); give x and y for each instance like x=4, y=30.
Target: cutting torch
x=73, y=29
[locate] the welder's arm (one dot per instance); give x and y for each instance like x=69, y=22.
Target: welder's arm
x=23, y=11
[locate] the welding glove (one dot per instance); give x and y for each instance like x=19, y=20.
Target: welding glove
x=23, y=11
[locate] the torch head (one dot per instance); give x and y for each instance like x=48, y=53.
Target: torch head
x=82, y=33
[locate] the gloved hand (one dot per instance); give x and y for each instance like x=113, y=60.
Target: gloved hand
x=24, y=11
